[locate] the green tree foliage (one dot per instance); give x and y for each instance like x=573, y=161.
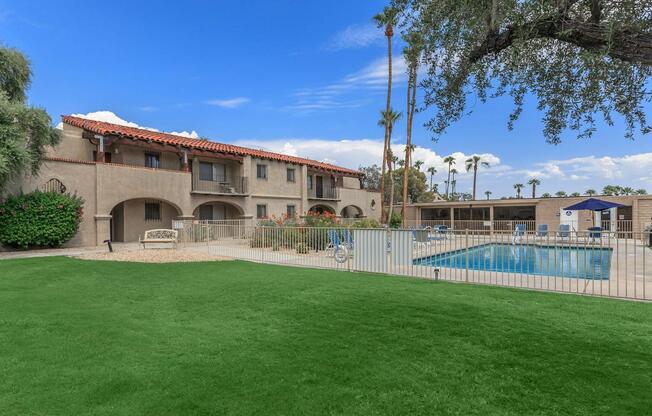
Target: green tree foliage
x=39, y=219
x=25, y=131
x=580, y=59
x=417, y=185
x=371, y=179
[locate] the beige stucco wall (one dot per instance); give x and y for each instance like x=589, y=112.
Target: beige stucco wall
x=135, y=224
x=72, y=145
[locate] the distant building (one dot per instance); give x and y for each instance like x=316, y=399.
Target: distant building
x=502, y=214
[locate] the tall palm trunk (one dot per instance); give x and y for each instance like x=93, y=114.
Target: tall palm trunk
x=411, y=98
x=534, y=190
x=386, y=162
x=475, y=177
x=448, y=182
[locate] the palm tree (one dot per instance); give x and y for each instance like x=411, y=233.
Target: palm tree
x=627, y=190
x=560, y=194
x=590, y=192
x=388, y=119
x=472, y=163
x=546, y=195
x=488, y=193
x=451, y=161
x=412, y=55
x=575, y=194
x=518, y=187
x=387, y=20
x=431, y=171
x=534, y=182
x=418, y=164
x=641, y=191
x=453, y=183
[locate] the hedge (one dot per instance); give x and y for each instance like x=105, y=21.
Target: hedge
x=39, y=219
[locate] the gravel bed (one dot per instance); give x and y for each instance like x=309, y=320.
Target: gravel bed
x=153, y=256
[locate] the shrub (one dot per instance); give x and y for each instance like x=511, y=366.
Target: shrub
x=302, y=248
x=39, y=219
x=366, y=223
x=395, y=221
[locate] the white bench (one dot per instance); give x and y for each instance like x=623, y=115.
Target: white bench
x=159, y=236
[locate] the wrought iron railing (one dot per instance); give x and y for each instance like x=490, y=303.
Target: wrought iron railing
x=325, y=193
x=228, y=185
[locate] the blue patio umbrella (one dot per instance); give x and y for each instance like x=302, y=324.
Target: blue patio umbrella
x=593, y=204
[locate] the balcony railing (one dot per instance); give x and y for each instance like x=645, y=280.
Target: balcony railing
x=231, y=185
x=325, y=193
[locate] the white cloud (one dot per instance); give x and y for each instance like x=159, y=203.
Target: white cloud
x=371, y=78
x=571, y=175
x=356, y=36
x=229, y=102
x=111, y=117
x=353, y=153
x=191, y=134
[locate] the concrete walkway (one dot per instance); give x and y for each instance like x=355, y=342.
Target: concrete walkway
x=75, y=251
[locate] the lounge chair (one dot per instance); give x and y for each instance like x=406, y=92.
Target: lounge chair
x=348, y=239
x=333, y=241
x=519, y=232
x=595, y=232
x=420, y=238
x=442, y=232
x=563, y=231
x=542, y=230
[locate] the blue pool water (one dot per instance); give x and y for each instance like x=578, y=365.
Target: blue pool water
x=576, y=262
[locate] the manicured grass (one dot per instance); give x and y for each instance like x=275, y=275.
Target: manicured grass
x=104, y=338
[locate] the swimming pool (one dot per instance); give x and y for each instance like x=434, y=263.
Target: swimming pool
x=575, y=262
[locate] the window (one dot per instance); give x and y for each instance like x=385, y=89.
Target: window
x=290, y=175
x=309, y=181
x=152, y=211
x=261, y=211
x=205, y=171
x=261, y=171
x=152, y=160
x=205, y=212
x=291, y=211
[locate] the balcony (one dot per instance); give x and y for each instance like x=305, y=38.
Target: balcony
x=230, y=185
x=332, y=194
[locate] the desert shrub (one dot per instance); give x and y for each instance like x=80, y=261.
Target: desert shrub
x=39, y=219
x=366, y=223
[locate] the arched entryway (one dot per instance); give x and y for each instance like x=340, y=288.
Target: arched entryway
x=351, y=211
x=131, y=218
x=217, y=210
x=320, y=209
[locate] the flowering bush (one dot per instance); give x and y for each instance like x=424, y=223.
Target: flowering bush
x=326, y=219
x=39, y=219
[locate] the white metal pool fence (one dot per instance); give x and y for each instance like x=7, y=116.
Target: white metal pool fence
x=614, y=264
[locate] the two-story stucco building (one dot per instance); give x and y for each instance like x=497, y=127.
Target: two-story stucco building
x=135, y=179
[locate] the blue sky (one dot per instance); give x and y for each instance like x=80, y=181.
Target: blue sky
x=302, y=78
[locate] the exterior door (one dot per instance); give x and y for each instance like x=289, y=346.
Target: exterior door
x=319, y=191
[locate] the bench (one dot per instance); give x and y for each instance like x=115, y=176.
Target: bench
x=160, y=236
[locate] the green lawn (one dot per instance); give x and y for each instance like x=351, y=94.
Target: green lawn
x=107, y=338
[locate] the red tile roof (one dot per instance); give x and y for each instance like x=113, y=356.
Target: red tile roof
x=103, y=128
